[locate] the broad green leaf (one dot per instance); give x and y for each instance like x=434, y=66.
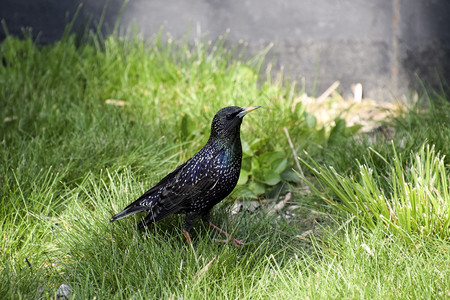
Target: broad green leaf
x=338, y=131
x=353, y=129
x=255, y=165
x=278, y=166
x=245, y=193
x=243, y=177
x=257, y=188
x=246, y=164
x=269, y=157
x=271, y=177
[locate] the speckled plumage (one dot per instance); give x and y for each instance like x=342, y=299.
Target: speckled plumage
x=202, y=181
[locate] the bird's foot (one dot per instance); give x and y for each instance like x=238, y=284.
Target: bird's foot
x=235, y=242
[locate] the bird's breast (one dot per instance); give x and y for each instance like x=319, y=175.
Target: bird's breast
x=227, y=167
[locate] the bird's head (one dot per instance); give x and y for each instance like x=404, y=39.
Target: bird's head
x=227, y=121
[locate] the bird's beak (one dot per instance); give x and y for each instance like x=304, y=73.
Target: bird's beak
x=246, y=110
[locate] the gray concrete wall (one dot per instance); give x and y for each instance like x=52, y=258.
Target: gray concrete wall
x=382, y=44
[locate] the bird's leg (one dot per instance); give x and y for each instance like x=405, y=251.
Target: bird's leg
x=188, y=237
x=188, y=221
x=187, y=225
x=206, y=220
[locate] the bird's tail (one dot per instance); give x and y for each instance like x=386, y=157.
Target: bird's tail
x=126, y=212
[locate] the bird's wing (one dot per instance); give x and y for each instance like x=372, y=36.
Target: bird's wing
x=172, y=194
x=149, y=198
x=191, y=182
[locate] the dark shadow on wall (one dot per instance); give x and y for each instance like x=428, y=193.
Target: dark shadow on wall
x=429, y=66
x=425, y=44
x=46, y=20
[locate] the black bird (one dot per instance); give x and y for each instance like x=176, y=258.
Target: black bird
x=202, y=181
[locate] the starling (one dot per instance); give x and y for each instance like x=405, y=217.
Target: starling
x=201, y=182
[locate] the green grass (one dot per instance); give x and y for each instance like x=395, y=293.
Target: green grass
x=69, y=160
x=417, y=201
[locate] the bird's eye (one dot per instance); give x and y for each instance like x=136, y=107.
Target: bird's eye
x=229, y=116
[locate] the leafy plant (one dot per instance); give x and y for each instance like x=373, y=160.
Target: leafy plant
x=261, y=172
x=340, y=132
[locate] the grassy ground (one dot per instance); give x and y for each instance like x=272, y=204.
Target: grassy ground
x=86, y=127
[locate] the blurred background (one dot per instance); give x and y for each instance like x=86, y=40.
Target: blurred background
x=389, y=46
